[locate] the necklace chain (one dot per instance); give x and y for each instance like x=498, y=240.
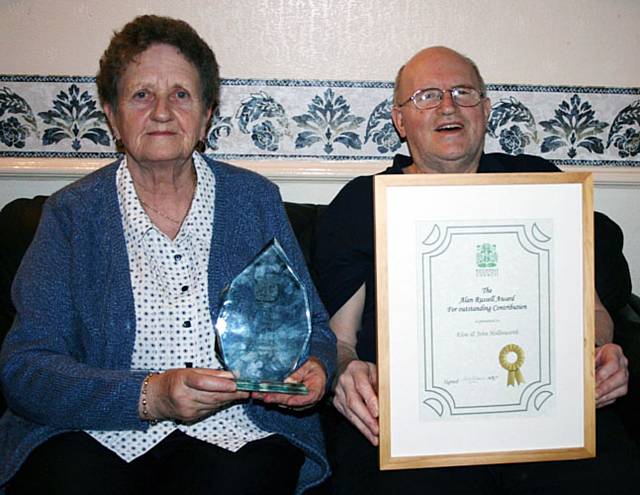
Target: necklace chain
x=147, y=206
x=155, y=210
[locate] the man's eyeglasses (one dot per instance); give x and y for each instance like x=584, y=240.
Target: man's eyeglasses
x=423, y=99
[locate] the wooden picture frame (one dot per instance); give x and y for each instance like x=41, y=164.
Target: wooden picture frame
x=485, y=300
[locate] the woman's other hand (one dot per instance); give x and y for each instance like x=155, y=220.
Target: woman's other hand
x=312, y=375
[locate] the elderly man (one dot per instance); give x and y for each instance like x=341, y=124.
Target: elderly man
x=441, y=110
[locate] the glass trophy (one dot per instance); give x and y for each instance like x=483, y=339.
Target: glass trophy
x=264, y=325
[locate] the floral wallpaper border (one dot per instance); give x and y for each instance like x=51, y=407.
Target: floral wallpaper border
x=60, y=117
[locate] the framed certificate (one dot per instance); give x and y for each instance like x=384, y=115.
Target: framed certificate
x=485, y=318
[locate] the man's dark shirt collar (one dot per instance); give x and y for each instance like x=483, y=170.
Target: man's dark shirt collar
x=488, y=163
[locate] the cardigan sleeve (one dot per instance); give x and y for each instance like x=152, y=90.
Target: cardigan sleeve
x=50, y=362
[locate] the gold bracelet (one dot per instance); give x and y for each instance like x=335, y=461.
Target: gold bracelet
x=145, y=412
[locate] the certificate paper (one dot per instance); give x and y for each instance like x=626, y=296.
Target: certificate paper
x=491, y=310
x=485, y=318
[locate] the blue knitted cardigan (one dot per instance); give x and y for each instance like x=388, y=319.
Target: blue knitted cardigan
x=65, y=364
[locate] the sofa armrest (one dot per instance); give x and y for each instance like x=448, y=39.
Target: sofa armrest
x=627, y=332
x=627, y=335
x=634, y=304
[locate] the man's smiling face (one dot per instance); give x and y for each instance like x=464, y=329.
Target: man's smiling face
x=448, y=138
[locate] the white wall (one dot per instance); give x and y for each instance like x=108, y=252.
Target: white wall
x=581, y=42
x=573, y=42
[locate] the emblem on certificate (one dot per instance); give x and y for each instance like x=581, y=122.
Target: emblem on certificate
x=264, y=325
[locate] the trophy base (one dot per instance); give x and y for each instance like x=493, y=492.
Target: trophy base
x=277, y=387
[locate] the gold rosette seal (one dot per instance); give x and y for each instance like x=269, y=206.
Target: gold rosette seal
x=514, y=374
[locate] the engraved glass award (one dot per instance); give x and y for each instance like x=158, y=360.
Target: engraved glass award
x=264, y=325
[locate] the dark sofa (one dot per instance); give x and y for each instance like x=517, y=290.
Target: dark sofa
x=19, y=220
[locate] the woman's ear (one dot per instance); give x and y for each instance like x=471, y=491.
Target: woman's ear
x=206, y=124
x=111, y=118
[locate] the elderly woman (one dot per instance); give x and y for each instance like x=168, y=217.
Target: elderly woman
x=109, y=370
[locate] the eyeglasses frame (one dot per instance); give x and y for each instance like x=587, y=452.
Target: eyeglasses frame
x=481, y=94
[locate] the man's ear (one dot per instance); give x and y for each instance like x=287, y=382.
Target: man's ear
x=486, y=106
x=398, y=121
x=111, y=118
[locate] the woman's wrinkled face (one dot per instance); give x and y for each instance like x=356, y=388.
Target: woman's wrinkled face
x=160, y=115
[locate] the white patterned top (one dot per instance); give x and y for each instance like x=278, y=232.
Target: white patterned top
x=173, y=321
